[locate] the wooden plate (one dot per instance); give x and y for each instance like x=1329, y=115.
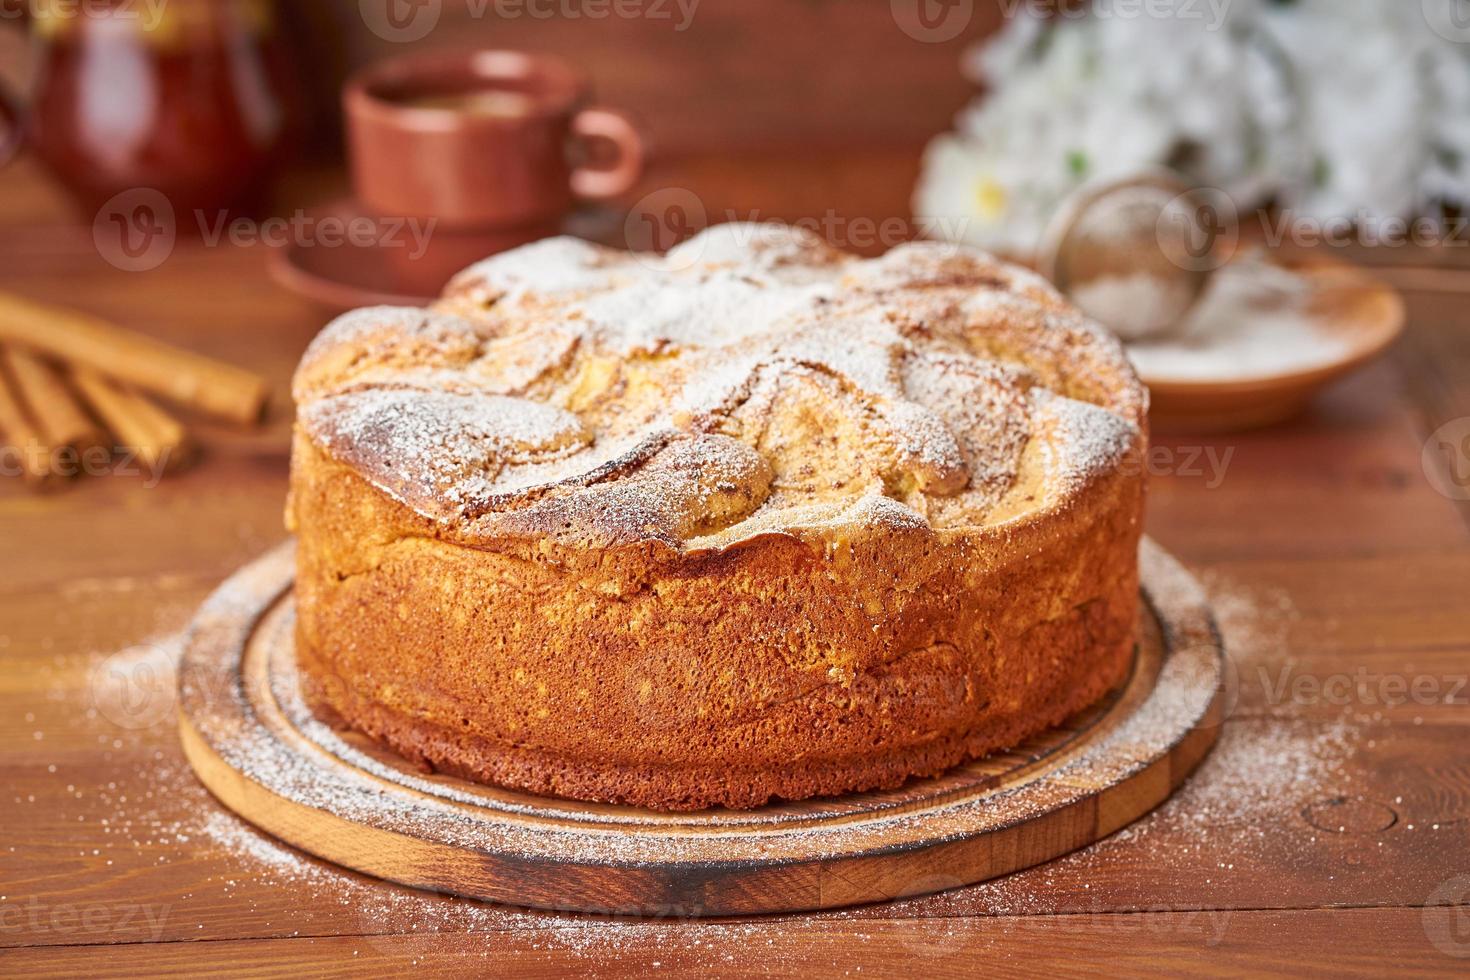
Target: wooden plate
x=257, y=748
x=1366, y=313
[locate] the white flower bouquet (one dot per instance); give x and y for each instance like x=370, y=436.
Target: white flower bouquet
x=1329, y=109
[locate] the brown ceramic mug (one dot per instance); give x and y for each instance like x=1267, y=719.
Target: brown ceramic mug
x=485, y=139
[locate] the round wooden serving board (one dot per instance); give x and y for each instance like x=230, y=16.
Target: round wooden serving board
x=336, y=795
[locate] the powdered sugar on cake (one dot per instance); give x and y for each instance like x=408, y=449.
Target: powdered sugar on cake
x=552, y=380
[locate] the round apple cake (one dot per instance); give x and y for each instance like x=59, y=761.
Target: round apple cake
x=753, y=519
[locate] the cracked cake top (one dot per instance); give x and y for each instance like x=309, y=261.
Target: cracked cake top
x=752, y=380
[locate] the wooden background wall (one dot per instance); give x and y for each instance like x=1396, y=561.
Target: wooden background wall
x=743, y=74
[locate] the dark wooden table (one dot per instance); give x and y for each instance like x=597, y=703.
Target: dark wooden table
x=1329, y=832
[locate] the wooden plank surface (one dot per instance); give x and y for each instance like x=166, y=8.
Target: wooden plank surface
x=1232, y=944
x=1335, y=810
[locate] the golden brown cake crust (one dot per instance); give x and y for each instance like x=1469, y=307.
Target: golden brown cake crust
x=756, y=519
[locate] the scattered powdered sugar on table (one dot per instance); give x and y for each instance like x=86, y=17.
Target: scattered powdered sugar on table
x=401, y=920
x=1254, y=320
x=1257, y=623
x=155, y=813
x=1239, y=804
x=1258, y=775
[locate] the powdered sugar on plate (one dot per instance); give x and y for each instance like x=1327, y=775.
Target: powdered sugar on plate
x=1134, y=306
x=1254, y=321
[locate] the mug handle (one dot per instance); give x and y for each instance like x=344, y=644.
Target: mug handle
x=599, y=123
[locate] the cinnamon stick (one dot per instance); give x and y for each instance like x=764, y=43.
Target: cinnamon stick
x=23, y=451
x=183, y=376
x=57, y=414
x=140, y=426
